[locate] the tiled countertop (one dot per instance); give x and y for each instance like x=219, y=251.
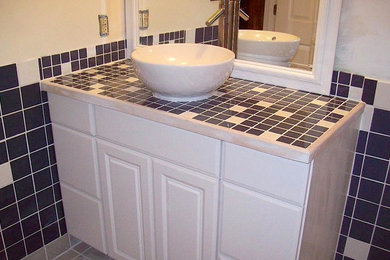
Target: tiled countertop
x=280, y=121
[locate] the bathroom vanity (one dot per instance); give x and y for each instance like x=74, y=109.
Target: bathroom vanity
x=254, y=172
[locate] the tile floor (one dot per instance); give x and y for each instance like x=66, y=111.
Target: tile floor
x=82, y=251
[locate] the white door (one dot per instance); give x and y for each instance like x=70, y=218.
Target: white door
x=297, y=17
x=255, y=226
x=186, y=205
x=127, y=200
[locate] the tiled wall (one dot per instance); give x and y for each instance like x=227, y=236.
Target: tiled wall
x=365, y=232
x=31, y=210
x=206, y=35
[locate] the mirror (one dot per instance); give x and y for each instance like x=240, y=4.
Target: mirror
x=184, y=22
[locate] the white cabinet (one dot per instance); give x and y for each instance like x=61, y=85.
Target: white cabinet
x=186, y=206
x=255, y=226
x=127, y=197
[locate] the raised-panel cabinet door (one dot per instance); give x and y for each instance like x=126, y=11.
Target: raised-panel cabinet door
x=127, y=200
x=255, y=226
x=186, y=207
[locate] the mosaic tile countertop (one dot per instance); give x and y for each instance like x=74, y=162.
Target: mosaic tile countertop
x=292, y=119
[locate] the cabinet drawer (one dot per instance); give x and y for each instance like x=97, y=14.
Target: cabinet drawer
x=76, y=160
x=180, y=146
x=84, y=217
x=71, y=113
x=275, y=176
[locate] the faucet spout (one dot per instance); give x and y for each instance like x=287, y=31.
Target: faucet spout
x=215, y=16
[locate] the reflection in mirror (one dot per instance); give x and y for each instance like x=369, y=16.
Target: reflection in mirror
x=279, y=32
x=177, y=21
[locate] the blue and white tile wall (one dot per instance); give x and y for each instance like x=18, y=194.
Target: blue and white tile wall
x=365, y=231
x=31, y=210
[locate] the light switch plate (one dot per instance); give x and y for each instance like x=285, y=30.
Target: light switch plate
x=103, y=25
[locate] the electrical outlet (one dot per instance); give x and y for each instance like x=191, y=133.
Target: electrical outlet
x=103, y=25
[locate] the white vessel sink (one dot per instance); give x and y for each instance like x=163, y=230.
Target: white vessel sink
x=183, y=72
x=266, y=46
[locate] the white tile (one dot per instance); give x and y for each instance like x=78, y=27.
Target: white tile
x=365, y=124
x=258, y=89
x=355, y=93
x=238, y=108
x=98, y=77
x=5, y=175
x=270, y=136
x=132, y=89
x=131, y=79
x=264, y=104
x=356, y=249
x=66, y=68
x=190, y=36
x=58, y=246
x=235, y=120
x=283, y=113
x=95, y=91
x=91, y=51
x=325, y=124
x=156, y=39
x=96, y=86
x=319, y=102
x=188, y=114
x=28, y=72
x=382, y=95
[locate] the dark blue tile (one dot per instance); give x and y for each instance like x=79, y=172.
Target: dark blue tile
x=99, y=49
x=115, y=56
x=114, y=45
x=338, y=256
x=34, y=117
x=17, y=146
x=378, y=254
x=24, y=187
x=386, y=196
x=50, y=233
x=361, y=231
x=384, y=217
x=31, y=95
x=370, y=190
x=46, y=114
x=333, y=89
x=48, y=216
x=91, y=62
x=335, y=76
x=99, y=60
x=34, y=242
x=45, y=198
x=199, y=35
x=57, y=192
x=52, y=155
x=75, y=65
x=378, y=146
x=122, y=45
x=357, y=165
x=365, y=211
x=107, y=58
x=369, y=89
x=39, y=160
x=341, y=244
x=65, y=57
x=12, y=234
x=362, y=140
x=349, y=206
x=14, y=124
x=3, y=153
x=8, y=77
x=20, y=167
x=342, y=91
x=16, y=251
x=344, y=78
x=381, y=121
x=1, y=131
x=353, y=186
x=7, y=196
x=60, y=210
x=56, y=59
x=357, y=81
x=27, y=206
x=62, y=225
x=83, y=53
x=74, y=55
x=10, y=101
x=208, y=34
x=374, y=168
x=9, y=216
x=57, y=71
x=46, y=61
x=381, y=238
x=30, y=225
x=122, y=54
x=106, y=48
x=42, y=179
x=345, y=226
x=47, y=73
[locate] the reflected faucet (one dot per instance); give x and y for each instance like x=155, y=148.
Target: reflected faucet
x=230, y=12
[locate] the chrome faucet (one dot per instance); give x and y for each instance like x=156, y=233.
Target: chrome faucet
x=230, y=12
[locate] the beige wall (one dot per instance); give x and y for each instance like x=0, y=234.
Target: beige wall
x=34, y=28
x=364, y=35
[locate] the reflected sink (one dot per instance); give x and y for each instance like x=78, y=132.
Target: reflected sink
x=184, y=71
x=266, y=46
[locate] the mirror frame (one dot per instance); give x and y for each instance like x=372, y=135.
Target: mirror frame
x=317, y=80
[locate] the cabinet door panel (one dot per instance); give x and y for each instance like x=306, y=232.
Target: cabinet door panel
x=127, y=202
x=254, y=226
x=84, y=217
x=186, y=213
